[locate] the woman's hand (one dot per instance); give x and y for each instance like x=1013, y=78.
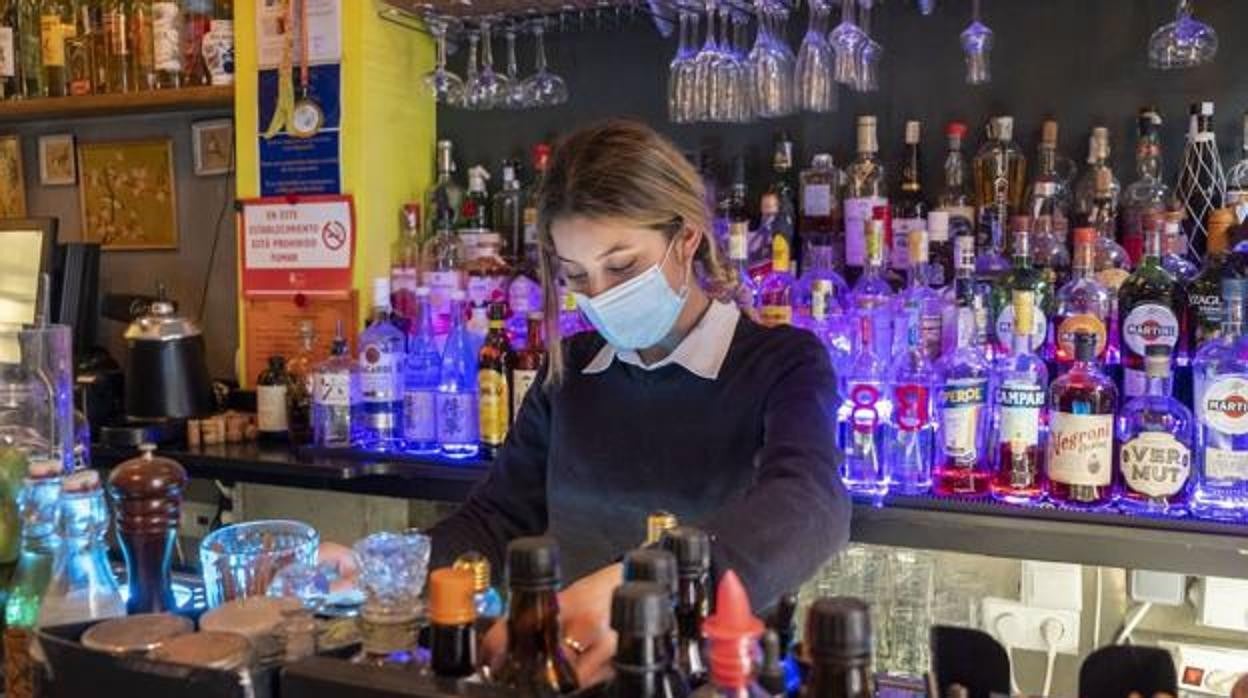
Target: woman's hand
x=342, y=559
x=585, y=612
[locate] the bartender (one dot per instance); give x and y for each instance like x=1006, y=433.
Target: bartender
x=677, y=402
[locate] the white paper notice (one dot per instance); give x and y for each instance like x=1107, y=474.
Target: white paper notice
x=324, y=31
x=303, y=235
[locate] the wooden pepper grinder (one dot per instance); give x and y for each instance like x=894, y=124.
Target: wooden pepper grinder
x=147, y=500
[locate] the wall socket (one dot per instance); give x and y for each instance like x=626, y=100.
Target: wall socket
x=1018, y=626
x=195, y=519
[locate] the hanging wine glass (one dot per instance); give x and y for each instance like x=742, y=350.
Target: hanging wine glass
x=1184, y=43
x=514, y=96
x=472, y=99
x=680, y=79
x=771, y=63
x=977, y=47
x=868, y=53
x=847, y=40
x=445, y=86
x=704, y=67
x=816, y=90
x=544, y=88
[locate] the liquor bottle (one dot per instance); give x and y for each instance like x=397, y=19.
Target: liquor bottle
x=422, y=372
x=534, y=663
x=495, y=362
x=920, y=299
x=780, y=196
x=1019, y=420
x=55, y=15
x=864, y=191
x=83, y=587
x=991, y=262
x=962, y=378
x=336, y=398
x=964, y=296
x=29, y=50
x=1083, y=304
x=1147, y=195
x=818, y=268
x=405, y=264
x=508, y=210
x=1022, y=277
x=442, y=271
x=1098, y=183
x=911, y=441
x=528, y=362
x=1201, y=188
x=299, y=393
x=733, y=213
x=79, y=49
x=732, y=634
x=830, y=322
x=486, y=598
x=839, y=644
x=821, y=205
x=1220, y=345
x=571, y=320
x=1237, y=176
x=452, y=623
x=872, y=294
x=381, y=374
x=38, y=505
x=1204, y=291
x=1152, y=310
x=775, y=295
x=940, y=250
x=954, y=198
x=445, y=196
x=201, y=18
x=117, y=42
x=167, y=43
x=272, y=388
x=540, y=159
x=692, y=549
x=641, y=616
x=1104, y=218
x=456, y=402
x=1049, y=208
x=1220, y=375
x=746, y=291
x=142, y=46
x=1175, y=249
x=1155, y=433
x=488, y=273
x=1080, y=460
x=910, y=207
x=474, y=213
x=771, y=669
x=1000, y=169
x=10, y=34
x=865, y=413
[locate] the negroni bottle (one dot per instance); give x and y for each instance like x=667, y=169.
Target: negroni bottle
x=692, y=548
x=1152, y=306
x=452, y=617
x=534, y=666
x=494, y=365
x=838, y=645
x=641, y=615
x=1082, y=404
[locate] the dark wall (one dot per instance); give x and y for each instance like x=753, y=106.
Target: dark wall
x=1081, y=61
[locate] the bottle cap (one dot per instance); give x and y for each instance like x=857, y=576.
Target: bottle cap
x=641, y=609
x=732, y=627
x=916, y=244
x=381, y=292
x=866, y=135
x=422, y=291
x=822, y=161
x=1003, y=127
x=541, y=156
x=1048, y=132
x=938, y=225
x=651, y=565
x=478, y=565
x=452, y=594
x=1085, y=236
x=1204, y=108
x=533, y=564
x=838, y=628
x=458, y=295
x=692, y=548
x=1085, y=346
x=955, y=129
x=1234, y=287
x=912, y=132
x=656, y=523
x=1149, y=120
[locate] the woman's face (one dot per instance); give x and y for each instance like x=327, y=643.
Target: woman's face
x=594, y=255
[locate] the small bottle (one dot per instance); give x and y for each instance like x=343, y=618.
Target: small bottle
x=1155, y=433
x=912, y=430
x=1000, y=170
x=405, y=262
x=821, y=206
x=1082, y=404
x=692, y=549
x=299, y=392
x=1019, y=426
x=534, y=664
x=381, y=374
x=838, y=645
x=488, y=274
x=771, y=670
x=486, y=597
x=776, y=293
x=474, y=213
x=421, y=375
x=456, y=402
x=336, y=402
x=83, y=586
x=272, y=388
x=865, y=186
x=954, y=198
x=732, y=635
x=494, y=365
x=641, y=616
x=508, y=208
x=452, y=621
x=528, y=363
x=446, y=195
x=910, y=206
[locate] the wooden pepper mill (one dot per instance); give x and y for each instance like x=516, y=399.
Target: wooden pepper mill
x=147, y=501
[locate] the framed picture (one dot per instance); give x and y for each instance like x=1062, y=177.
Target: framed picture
x=212, y=142
x=12, y=186
x=57, y=165
x=128, y=194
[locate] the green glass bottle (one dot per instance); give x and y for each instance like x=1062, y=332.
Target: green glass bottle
x=1021, y=277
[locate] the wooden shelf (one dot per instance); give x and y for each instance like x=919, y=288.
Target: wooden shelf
x=87, y=106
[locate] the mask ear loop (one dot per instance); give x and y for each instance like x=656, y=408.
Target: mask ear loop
x=684, y=288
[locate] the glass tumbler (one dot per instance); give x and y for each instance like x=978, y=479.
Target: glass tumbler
x=240, y=561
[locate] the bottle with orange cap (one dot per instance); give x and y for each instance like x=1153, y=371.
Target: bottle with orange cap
x=452, y=623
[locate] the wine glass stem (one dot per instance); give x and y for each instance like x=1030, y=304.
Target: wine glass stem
x=975, y=10
x=512, y=69
x=539, y=35
x=487, y=54
x=440, y=33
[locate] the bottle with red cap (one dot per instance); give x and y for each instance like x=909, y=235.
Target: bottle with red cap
x=732, y=636
x=954, y=197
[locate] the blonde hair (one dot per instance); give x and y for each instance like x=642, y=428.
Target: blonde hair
x=623, y=171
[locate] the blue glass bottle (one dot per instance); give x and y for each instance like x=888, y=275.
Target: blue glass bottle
x=421, y=374
x=83, y=586
x=456, y=402
x=381, y=374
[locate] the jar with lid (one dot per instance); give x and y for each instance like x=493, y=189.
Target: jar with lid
x=83, y=587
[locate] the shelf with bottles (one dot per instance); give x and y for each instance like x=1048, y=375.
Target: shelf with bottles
x=183, y=99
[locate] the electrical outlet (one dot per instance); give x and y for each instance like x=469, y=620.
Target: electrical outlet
x=1019, y=626
x=195, y=519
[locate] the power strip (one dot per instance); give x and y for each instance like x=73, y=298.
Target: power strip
x=1017, y=625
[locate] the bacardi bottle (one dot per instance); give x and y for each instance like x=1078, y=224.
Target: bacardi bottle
x=1155, y=434
x=1080, y=462
x=1083, y=305
x=910, y=207
x=421, y=375
x=865, y=414
x=864, y=190
x=912, y=430
x=494, y=365
x=821, y=205
x=381, y=368
x=1147, y=195
x=776, y=293
x=1020, y=419
x=962, y=463
x=1152, y=310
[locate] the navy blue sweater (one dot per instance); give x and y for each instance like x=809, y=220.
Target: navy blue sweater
x=750, y=457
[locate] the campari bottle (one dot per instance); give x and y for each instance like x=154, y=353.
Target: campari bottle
x=1019, y=424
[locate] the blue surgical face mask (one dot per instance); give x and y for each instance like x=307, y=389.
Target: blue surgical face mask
x=638, y=313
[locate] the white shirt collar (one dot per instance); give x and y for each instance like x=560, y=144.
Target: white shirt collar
x=701, y=352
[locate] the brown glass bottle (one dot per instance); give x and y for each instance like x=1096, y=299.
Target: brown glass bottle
x=838, y=644
x=692, y=548
x=528, y=362
x=534, y=665
x=299, y=392
x=1082, y=406
x=147, y=500
x=452, y=616
x=494, y=365
x=641, y=615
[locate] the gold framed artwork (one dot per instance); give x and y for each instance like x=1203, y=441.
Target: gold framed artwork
x=12, y=185
x=128, y=194
x=57, y=165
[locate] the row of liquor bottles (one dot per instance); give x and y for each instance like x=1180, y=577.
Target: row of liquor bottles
x=55, y=48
